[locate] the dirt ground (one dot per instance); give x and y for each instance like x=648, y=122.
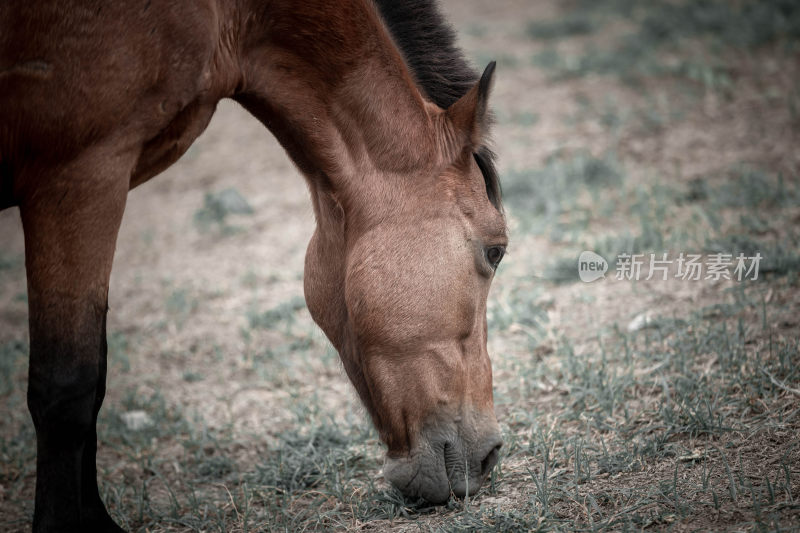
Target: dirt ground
x=187, y=293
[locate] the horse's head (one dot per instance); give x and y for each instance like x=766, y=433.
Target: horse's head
x=397, y=275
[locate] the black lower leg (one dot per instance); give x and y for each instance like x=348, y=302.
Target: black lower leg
x=66, y=386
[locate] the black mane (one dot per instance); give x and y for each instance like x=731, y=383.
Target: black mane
x=428, y=44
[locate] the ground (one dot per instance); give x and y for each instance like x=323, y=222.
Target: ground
x=622, y=127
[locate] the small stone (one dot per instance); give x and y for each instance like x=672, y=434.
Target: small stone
x=641, y=321
x=136, y=420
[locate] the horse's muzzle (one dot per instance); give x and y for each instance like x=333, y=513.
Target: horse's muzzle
x=448, y=459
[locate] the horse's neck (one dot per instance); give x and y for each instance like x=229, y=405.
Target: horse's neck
x=331, y=85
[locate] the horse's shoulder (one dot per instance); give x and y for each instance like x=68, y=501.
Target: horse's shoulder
x=74, y=71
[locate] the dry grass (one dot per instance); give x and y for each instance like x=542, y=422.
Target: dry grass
x=688, y=144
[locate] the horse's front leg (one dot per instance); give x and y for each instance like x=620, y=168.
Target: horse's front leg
x=70, y=222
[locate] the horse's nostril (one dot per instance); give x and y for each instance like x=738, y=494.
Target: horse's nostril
x=490, y=460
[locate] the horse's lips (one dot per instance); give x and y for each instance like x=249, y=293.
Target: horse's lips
x=421, y=475
x=443, y=464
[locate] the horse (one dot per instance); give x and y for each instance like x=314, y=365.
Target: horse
x=378, y=109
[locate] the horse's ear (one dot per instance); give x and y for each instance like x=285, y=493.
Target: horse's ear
x=470, y=114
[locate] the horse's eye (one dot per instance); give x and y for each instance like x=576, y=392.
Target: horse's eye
x=494, y=255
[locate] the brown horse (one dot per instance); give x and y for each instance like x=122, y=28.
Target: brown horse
x=378, y=109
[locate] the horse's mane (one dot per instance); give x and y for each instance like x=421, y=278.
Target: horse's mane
x=428, y=44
